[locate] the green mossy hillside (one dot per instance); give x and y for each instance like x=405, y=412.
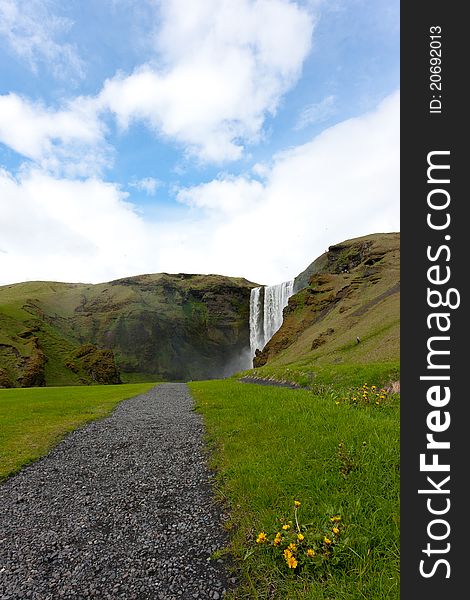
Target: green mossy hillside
x=346, y=311
x=145, y=328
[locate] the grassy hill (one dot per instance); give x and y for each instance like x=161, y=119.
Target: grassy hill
x=184, y=327
x=348, y=313
x=151, y=326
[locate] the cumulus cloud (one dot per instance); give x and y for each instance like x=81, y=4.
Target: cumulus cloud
x=32, y=31
x=69, y=139
x=70, y=230
x=222, y=67
x=343, y=183
x=226, y=195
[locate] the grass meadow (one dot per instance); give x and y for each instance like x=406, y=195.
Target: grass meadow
x=337, y=453
x=32, y=420
x=333, y=449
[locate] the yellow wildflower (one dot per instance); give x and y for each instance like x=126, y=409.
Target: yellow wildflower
x=335, y=530
x=287, y=553
x=335, y=519
x=291, y=562
x=311, y=552
x=277, y=539
x=300, y=536
x=261, y=538
x=286, y=526
x=327, y=540
x=296, y=503
x=292, y=547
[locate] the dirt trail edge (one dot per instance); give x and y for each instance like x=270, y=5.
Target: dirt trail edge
x=121, y=508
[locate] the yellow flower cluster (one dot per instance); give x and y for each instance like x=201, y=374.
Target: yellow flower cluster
x=262, y=537
x=366, y=395
x=290, y=559
x=298, y=547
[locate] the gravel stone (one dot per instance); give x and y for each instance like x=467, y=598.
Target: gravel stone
x=121, y=508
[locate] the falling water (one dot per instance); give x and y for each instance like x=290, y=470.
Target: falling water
x=275, y=299
x=256, y=320
x=266, y=308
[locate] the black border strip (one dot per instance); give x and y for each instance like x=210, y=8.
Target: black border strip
x=422, y=132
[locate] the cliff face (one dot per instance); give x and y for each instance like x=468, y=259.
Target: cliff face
x=346, y=307
x=150, y=327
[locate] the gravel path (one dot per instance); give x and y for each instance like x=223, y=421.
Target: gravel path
x=120, y=509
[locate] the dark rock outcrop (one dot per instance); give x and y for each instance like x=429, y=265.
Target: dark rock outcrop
x=97, y=364
x=5, y=380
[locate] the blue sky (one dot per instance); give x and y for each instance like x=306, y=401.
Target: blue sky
x=233, y=136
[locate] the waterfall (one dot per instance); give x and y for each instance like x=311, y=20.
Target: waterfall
x=256, y=320
x=266, y=306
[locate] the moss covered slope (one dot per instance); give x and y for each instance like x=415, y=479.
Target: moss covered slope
x=349, y=311
x=157, y=326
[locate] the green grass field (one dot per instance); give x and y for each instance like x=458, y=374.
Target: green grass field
x=271, y=446
x=332, y=448
x=32, y=420
x=323, y=377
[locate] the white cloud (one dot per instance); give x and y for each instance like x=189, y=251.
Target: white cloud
x=69, y=139
x=222, y=66
x=316, y=113
x=227, y=195
x=342, y=184
x=30, y=29
x=67, y=230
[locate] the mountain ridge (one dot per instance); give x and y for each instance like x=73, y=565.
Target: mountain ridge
x=158, y=326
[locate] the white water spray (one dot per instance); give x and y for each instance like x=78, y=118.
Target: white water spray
x=256, y=320
x=266, y=307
